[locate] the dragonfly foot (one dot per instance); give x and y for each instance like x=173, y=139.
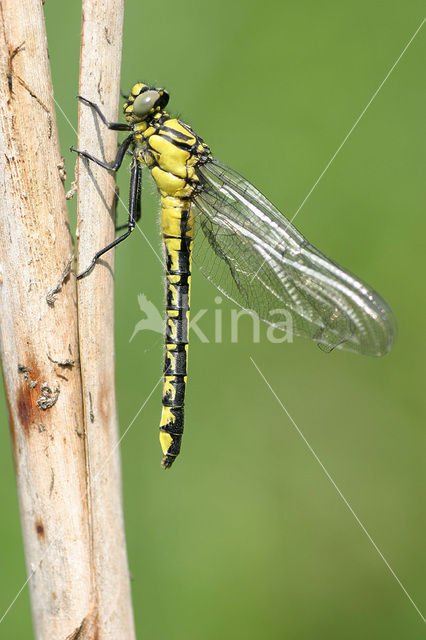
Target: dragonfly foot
x=84, y=273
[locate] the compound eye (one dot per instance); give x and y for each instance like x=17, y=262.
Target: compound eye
x=144, y=103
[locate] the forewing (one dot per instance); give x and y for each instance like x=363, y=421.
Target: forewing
x=257, y=258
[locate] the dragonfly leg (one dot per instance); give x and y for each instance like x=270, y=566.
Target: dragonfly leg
x=116, y=163
x=135, y=195
x=116, y=126
x=134, y=214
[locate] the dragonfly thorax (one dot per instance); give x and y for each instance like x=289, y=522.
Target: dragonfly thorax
x=172, y=152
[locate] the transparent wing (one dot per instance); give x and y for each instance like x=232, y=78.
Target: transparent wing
x=257, y=258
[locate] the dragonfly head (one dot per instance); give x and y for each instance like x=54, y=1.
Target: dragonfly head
x=143, y=102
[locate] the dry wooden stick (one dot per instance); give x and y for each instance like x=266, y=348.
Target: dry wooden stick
x=67, y=468
x=102, y=25
x=38, y=332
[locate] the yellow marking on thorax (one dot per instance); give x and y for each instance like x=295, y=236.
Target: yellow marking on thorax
x=170, y=185
x=141, y=127
x=170, y=157
x=149, y=131
x=173, y=123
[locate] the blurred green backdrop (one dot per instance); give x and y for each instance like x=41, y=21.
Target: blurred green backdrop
x=246, y=537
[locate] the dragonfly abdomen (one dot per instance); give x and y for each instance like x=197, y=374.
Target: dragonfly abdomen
x=177, y=232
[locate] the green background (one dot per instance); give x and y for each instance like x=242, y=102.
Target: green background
x=246, y=538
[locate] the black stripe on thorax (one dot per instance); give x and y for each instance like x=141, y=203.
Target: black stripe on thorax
x=178, y=134
x=185, y=146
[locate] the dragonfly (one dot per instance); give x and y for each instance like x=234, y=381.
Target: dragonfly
x=240, y=241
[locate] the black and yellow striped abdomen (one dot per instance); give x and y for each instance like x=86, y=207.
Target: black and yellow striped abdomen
x=177, y=232
x=172, y=151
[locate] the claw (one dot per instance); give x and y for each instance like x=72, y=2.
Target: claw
x=86, y=271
